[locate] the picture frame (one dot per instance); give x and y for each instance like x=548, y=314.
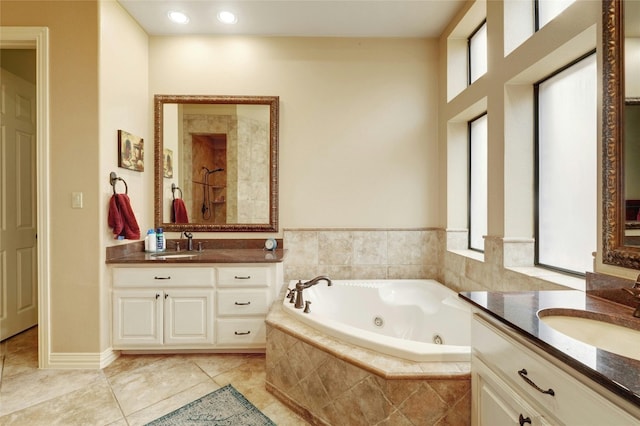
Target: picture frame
x=130, y=151
x=167, y=163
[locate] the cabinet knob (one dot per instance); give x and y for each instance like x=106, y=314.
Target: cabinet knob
x=166, y=295
x=157, y=295
x=524, y=420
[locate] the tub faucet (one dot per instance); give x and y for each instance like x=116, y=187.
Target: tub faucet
x=300, y=286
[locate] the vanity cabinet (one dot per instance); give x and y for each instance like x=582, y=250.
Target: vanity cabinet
x=513, y=383
x=153, y=307
x=193, y=307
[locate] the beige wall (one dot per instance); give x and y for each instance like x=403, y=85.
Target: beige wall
x=124, y=105
x=358, y=119
x=76, y=252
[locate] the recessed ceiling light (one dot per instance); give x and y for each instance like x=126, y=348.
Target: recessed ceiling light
x=178, y=17
x=227, y=17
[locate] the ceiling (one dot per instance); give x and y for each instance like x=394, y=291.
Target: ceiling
x=299, y=18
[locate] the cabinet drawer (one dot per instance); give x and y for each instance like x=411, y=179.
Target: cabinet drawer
x=164, y=276
x=572, y=401
x=241, y=332
x=243, y=302
x=244, y=276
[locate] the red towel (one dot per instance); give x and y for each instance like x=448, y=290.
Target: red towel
x=122, y=219
x=179, y=211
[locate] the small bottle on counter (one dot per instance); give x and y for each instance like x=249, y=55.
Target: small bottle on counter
x=161, y=244
x=150, y=241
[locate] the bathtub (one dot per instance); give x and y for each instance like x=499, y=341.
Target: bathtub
x=418, y=320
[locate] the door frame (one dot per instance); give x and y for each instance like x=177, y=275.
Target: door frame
x=38, y=38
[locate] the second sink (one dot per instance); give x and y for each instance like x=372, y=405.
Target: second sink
x=599, y=332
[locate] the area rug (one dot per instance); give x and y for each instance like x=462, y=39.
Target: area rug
x=223, y=407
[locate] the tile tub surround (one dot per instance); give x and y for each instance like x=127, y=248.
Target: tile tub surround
x=518, y=310
x=329, y=382
x=361, y=253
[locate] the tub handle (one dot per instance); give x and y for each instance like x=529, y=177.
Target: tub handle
x=306, y=307
x=523, y=374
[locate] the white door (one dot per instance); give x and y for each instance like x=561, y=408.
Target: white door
x=18, y=253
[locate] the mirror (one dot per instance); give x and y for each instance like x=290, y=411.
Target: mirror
x=216, y=163
x=620, y=247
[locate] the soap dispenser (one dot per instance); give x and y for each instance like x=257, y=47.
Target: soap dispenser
x=150, y=241
x=161, y=242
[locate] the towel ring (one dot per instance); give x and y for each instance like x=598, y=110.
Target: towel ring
x=113, y=179
x=173, y=190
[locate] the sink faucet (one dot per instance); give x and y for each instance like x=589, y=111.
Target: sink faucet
x=300, y=286
x=189, y=236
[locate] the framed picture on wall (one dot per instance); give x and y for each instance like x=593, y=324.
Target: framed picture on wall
x=167, y=160
x=130, y=151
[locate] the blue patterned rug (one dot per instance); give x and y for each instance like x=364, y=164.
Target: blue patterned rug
x=223, y=407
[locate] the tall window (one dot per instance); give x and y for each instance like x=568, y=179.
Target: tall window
x=477, y=45
x=477, y=182
x=566, y=167
x=546, y=10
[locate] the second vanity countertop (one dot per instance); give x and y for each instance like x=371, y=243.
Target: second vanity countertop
x=518, y=311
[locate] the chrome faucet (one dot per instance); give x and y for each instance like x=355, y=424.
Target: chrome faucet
x=635, y=292
x=300, y=286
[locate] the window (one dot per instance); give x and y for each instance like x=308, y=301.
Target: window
x=566, y=167
x=546, y=10
x=477, y=182
x=477, y=46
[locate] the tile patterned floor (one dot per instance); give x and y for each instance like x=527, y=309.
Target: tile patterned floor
x=133, y=390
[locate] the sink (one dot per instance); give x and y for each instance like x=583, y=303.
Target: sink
x=161, y=256
x=600, y=332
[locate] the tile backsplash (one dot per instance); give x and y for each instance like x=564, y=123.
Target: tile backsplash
x=361, y=254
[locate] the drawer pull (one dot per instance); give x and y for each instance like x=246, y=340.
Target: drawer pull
x=242, y=333
x=523, y=374
x=242, y=303
x=162, y=278
x=248, y=277
x=524, y=420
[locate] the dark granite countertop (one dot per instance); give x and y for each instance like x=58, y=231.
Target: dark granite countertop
x=215, y=251
x=518, y=311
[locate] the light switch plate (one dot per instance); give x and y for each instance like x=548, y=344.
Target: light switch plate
x=76, y=200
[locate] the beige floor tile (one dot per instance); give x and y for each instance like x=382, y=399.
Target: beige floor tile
x=215, y=364
x=90, y=405
x=149, y=384
x=281, y=415
x=37, y=386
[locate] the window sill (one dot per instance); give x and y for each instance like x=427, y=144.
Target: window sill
x=564, y=280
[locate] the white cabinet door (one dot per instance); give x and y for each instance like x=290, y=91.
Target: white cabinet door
x=495, y=403
x=188, y=316
x=137, y=318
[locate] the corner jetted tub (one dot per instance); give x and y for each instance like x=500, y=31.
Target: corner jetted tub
x=418, y=320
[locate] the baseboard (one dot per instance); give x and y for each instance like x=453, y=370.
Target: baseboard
x=82, y=360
